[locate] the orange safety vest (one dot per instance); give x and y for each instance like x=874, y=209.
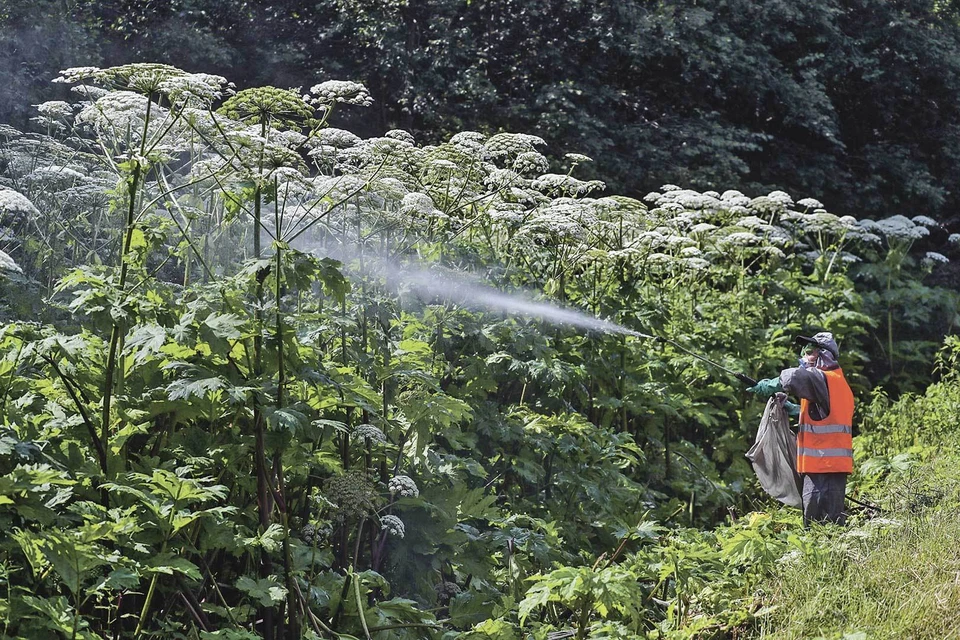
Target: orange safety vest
x=826, y=446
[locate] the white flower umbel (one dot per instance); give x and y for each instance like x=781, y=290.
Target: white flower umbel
x=339, y=91
x=15, y=207
x=442, y=165
x=577, y=158
x=500, y=178
x=734, y=200
x=510, y=145
x=530, y=162
x=89, y=92
x=925, y=221
x=194, y=89
x=77, y=74
x=392, y=525
x=403, y=486
x=560, y=220
x=400, y=134
x=810, y=203
x=954, y=238
x=339, y=138
x=765, y=205
x=120, y=115
x=739, y=239
x=932, y=257
x=689, y=199
x=781, y=197
x=753, y=222
x=368, y=432
x=653, y=198
x=390, y=188
x=55, y=109
x=823, y=222
x=55, y=175
x=696, y=264
x=667, y=208
x=7, y=263
x=467, y=137
x=567, y=185
x=418, y=205
x=901, y=228
x=703, y=227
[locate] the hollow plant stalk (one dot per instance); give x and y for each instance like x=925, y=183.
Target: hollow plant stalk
x=118, y=329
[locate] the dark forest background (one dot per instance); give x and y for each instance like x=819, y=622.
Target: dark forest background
x=854, y=102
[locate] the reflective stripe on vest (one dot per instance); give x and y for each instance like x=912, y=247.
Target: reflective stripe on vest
x=826, y=428
x=824, y=453
x=826, y=446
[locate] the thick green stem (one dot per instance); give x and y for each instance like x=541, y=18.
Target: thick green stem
x=144, y=612
x=116, y=333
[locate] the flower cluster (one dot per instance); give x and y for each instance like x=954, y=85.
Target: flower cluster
x=195, y=89
x=401, y=135
x=54, y=113
x=565, y=185
x=511, y=145
x=897, y=228
x=15, y=207
x=446, y=591
x=577, y=158
x=932, y=257
x=77, y=74
x=352, y=494
x=116, y=113
x=530, y=162
x=404, y=486
x=338, y=138
x=418, y=204
x=809, y=203
x=7, y=263
x=342, y=91
x=392, y=525
x=55, y=175
x=368, y=432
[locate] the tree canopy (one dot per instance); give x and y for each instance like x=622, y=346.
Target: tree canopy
x=849, y=101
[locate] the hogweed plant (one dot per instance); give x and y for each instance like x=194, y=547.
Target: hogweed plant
x=245, y=419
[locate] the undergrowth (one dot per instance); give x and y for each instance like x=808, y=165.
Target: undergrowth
x=896, y=576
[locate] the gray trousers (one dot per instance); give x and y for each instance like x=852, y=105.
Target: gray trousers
x=823, y=495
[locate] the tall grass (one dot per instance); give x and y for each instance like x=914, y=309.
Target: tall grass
x=897, y=576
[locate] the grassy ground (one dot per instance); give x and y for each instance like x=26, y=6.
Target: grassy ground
x=896, y=575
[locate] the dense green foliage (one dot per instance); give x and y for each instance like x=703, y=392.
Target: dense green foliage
x=245, y=393
x=852, y=101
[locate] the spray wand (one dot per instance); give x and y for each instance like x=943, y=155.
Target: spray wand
x=747, y=380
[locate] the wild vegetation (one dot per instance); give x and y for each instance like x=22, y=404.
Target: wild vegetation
x=811, y=98
x=259, y=376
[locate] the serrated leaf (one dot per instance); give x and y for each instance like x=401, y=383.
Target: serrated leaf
x=169, y=564
x=185, y=389
x=266, y=591
x=146, y=340
x=270, y=540
x=226, y=325
x=286, y=420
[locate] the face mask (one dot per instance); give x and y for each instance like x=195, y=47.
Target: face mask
x=808, y=360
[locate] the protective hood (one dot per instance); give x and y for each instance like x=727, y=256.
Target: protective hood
x=824, y=340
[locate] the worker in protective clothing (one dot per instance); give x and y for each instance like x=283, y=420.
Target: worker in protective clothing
x=824, y=434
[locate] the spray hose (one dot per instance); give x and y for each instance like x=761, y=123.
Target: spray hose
x=747, y=380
